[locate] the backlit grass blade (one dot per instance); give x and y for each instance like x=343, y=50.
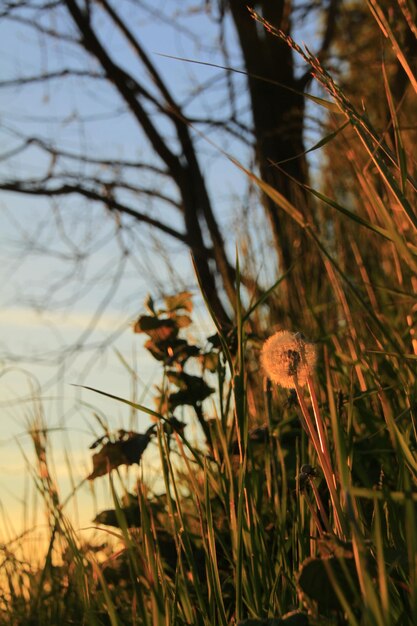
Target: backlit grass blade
x=110, y=608
x=326, y=104
x=144, y=409
x=223, y=339
x=386, y=29
x=266, y=295
x=212, y=556
x=381, y=559
x=402, y=157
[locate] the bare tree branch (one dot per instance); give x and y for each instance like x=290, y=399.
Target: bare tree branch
x=42, y=78
x=57, y=153
x=38, y=188
x=127, y=90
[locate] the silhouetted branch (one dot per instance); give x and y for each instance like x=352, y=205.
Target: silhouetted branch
x=42, y=78
x=39, y=188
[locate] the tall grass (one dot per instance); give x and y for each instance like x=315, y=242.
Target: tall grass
x=300, y=507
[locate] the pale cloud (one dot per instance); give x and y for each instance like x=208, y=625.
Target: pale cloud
x=27, y=317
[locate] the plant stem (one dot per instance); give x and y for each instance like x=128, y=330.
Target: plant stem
x=324, y=461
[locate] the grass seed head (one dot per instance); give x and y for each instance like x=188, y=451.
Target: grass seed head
x=287, y=357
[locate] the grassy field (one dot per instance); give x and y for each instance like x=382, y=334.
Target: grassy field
x=299, y=506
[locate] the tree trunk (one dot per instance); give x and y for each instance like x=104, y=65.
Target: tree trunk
x=278, y=115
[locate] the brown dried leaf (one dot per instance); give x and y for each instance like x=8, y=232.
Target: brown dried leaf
x=157, y=329
x=123, y=452
x=209, y=361
x=192, y=389
x=183, y=321
x=181, y=300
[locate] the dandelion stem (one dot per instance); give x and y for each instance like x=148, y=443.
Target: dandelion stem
x=317, y=417
x=314, y=515
x=320, y=426
x=320, y=507
x=324, y=461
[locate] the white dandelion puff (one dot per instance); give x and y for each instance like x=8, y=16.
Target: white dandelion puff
x=287, y=358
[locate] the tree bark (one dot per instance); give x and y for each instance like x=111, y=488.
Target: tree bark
x=278, y=116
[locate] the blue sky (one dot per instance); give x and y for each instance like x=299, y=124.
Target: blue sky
x=48, y=300
x=48, y=295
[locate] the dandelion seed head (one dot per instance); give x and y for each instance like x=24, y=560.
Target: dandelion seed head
x=287, y=357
